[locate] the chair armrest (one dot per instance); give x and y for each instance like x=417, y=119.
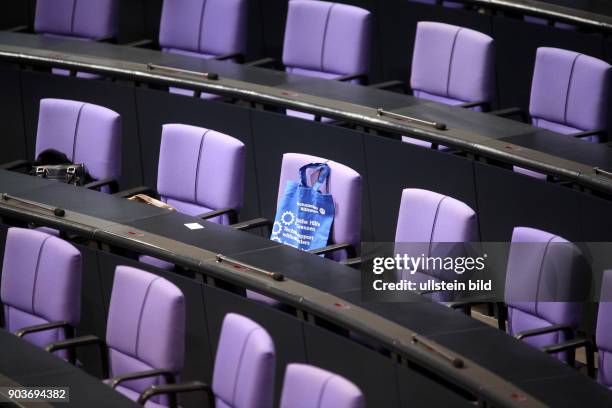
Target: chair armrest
x=142, y=43
x=175, y=389
x=347, y=78
x=394, y=84
x=486, y=106
x=168, y=376
x=17, y=29
x=232, y=214
x=504, y=113
x=254, y=223
x=44, y=327
x=14, y=165
x=595, y=132
x=573, y=345
x=235, y=55
x=136, y=190
x=90, y=340
x=262, y=62
x=544, y=330
x=334, y=247
x=95, y=185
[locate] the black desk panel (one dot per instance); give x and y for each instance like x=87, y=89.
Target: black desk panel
x=11, y=116
x=30, y=366
x=213, y=237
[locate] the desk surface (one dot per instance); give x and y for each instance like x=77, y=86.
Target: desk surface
x=479, y=133
x=24, y=365
x=487, y=347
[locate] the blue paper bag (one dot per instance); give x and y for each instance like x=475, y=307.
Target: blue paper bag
x=305, y=215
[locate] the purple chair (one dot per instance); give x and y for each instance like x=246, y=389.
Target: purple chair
x=207, y=29
x=316, y=42
x=603, y=334
x=452, y=65
x=570, y=93
x=306, y=386
x=85, y=133
x=543, y=21
x=243, y=376
x=145, y=334
x=200, y=173
x=435, y=225
x=542, y=277
x=41, y=286
x=85, y=20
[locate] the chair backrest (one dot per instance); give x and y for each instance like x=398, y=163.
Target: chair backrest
x=326, y=40
x=85, y=133
x=452, y=64
x=146, y=326
x=426, y=216
x=306, y=386
x=88, y=19
x=204, y=27
x=569, y=91
x=603, y=334
x=542, y=268
x=41, y=283
x=200, y=169
x=245, y=361
x=343, y=183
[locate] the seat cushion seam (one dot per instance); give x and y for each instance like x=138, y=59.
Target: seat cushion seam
x=200, y=25
x=325, y=36
x=450, y=62
x=76, y=132
x=42, y=245
x=197, y=175
x=142, y=308
x=569, y=86
x=244, y=345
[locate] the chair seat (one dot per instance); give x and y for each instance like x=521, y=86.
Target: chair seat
x=261, y=298
x=156, y=262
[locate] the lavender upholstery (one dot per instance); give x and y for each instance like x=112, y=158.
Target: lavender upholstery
x=306, y=386
x=145, y=328
x=244, y=365
x=203, y=29
x=41, y=283
x=91, y=19
x=435, y=225
x=316, y=42
x=543, y=21
x=449, y=4
x=542, y=267
x=452, y=64
x=85, y=133
x=569, y=92
x=603, y=335
x=200, y=170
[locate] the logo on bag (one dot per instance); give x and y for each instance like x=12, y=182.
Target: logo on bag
x=322, y=211
x=276, y=228
x=288, y=218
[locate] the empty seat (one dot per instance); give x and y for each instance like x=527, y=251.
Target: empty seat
x=570, y=92
x=545, y=274
x=603, y=334
x=41, y=286
x=326, y=40
x=86, y=20
x=306, y=386
x=145, y=333
x=452, y=65
x=207, y=29
x=85, y=133
x=440, y=223
x=200, y=171
x=243, y=375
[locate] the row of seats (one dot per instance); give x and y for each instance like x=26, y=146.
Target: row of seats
x=145, y=333
x=451, y=64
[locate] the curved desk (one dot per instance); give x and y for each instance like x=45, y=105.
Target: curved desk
x=485, y=136
x=24, y=365
x=420, y=338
